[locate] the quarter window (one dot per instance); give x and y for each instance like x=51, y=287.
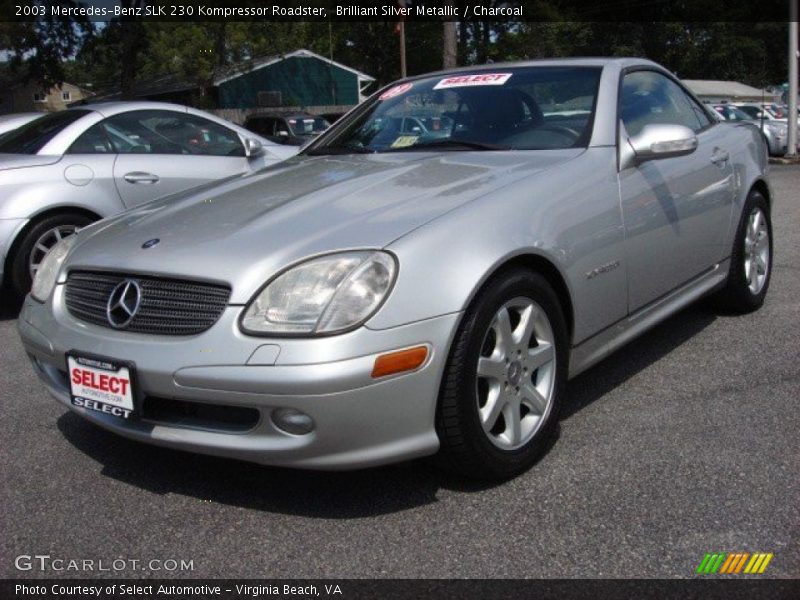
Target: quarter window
x=650, y=98
x=92, y=141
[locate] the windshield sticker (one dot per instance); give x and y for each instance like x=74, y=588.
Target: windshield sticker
x=404, y=141
x=395, y=91
x=472, y=80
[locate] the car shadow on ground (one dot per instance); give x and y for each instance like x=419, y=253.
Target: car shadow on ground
x=343, y=495
x=9, y=305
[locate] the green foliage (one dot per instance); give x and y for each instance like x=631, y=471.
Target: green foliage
x=112, y=56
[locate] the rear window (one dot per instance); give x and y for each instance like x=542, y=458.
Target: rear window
x=33, y=136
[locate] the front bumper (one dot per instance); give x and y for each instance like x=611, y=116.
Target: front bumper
x=360, y=421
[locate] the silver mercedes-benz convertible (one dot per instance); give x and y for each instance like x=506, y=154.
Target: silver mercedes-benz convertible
x=422, y=278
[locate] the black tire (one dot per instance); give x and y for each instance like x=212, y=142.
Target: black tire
x=465, y=447
x=19, y=275
x=736, y=296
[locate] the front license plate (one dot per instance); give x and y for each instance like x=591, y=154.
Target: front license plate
x=102, y=385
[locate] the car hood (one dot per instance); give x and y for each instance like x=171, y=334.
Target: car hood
x=243, y=231
x=21, y=161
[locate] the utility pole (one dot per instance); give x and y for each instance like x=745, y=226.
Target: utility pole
x=449, y=44
x=792, y=120
x=402, y=30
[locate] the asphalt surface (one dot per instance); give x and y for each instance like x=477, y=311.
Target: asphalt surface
x=684, y=442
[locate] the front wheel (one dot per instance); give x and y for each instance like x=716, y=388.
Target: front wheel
x=751, y=259
x=504, y=378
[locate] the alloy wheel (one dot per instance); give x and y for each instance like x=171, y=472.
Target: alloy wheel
x=45, y=242
x=516, y=374
x=756, y=251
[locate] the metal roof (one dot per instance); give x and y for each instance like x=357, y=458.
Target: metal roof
x=260, y=63
x=728, y=89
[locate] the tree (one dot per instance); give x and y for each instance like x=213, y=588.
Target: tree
x=38, y=49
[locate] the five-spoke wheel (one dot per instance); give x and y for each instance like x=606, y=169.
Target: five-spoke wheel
x=504, y=377
x=516, y=373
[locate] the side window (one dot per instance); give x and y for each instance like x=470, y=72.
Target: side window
x=167, y=132
x=262, y=126
x=700, y=111
x=651, y=98
x=92, y=141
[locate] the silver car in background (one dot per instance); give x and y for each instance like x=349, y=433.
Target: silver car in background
x=775, y=129
x=13, y=121
x=67, y=169
x=387, y=295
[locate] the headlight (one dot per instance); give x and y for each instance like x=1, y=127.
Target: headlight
x=45, y=279
x=324, y=295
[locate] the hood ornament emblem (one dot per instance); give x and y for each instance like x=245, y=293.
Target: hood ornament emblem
x=151, y=243
x=123, y=303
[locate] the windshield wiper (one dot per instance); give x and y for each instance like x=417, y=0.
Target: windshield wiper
x=450, y=143
x=338, y=150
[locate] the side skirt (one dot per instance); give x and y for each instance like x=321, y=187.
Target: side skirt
x=596, y=348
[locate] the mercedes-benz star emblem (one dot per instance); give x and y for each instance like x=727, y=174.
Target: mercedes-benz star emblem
x=123, y=303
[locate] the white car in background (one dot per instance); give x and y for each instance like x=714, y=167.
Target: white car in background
x=66, y=169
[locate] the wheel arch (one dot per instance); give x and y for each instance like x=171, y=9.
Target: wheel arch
x=545, y=267
x=761, y=185
x=34, y=220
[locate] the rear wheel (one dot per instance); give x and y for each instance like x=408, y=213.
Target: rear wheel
x=498, y=406
x=36, y=242
x=751, y=259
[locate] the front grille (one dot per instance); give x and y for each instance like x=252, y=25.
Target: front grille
x=197, y=415
x=168, y=306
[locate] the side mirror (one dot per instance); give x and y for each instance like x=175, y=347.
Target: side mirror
x=663, y=141
x=253, y=147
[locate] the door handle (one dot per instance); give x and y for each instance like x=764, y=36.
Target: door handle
x=720, y=157
x=140, y=177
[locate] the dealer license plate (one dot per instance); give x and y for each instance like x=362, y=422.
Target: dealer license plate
x=102, y=385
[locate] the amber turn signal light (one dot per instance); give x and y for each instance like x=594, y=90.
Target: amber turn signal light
x=400, y=361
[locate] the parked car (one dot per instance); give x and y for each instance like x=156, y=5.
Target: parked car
x=12, y=121
x=66, y=169
x=776, y=133
x=295, y=129
x=776, y=130
x=367, y=302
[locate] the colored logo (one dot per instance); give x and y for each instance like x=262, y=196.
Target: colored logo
x=734, y=563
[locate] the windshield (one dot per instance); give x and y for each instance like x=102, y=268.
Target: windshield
x=32, y=137
x=731, y=113
x=308, y=125
x=753, y=111
x=521, y=108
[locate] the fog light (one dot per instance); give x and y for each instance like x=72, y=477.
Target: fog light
x=292, y=421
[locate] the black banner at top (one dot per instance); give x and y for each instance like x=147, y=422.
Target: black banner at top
x=397, y=10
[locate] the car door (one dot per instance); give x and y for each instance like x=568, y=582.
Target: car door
x=88, y=170
x=676, y=210
x=160, y=152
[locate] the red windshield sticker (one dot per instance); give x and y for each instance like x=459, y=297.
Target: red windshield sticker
x=471, y=80
x=395, y=91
